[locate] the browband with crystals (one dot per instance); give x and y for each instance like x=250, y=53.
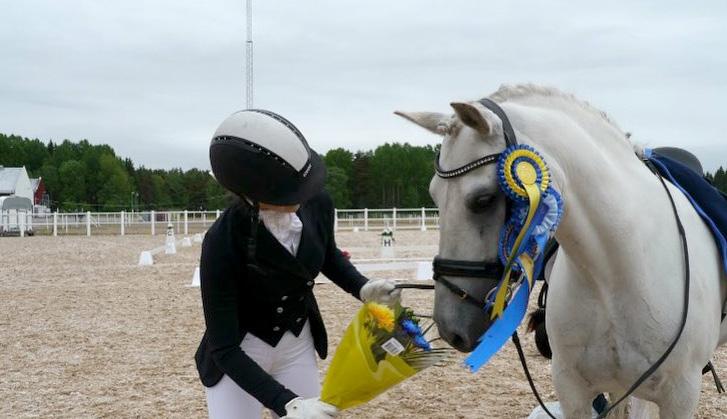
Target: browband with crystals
x=445, y=174
x=510, y=140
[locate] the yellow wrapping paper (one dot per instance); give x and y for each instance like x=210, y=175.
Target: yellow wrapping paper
x=354, y=377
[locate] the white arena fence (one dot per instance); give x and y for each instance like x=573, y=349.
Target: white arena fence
x=395, y=218
x=192, y=222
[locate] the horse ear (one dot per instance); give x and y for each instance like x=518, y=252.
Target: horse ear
x=432, y=121
x=476, y=117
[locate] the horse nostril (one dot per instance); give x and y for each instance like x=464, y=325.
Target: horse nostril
x=457, y=342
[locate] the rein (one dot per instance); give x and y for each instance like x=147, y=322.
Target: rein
x=685, y=310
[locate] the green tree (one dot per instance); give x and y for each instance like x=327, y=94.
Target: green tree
x=72, y=182
x=337, y=186
x=195, y=183
x=720, y=179
x=115, y=191
x=217, y=196
x=162, y=199
x=175, y=186
x=362, y=192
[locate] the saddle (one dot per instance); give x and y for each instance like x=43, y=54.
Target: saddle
x=685, y=172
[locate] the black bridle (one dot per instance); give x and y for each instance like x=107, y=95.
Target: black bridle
x=463, y=268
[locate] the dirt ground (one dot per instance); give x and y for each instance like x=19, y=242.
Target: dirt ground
x=85, y=332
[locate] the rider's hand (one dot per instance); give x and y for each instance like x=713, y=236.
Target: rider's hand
x=299, y=408
x=380, y=291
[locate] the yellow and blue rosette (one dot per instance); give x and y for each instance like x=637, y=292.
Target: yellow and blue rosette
x=521, y=166
x=535, y=214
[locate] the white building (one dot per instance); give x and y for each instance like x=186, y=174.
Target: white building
x=15, y=181
x=16, y=200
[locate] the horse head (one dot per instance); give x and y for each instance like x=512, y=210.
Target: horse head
x=472, y=211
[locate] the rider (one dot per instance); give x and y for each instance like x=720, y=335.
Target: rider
x=263, y=322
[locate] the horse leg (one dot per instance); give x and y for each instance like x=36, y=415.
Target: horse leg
x=574, y=392
x=679, y=397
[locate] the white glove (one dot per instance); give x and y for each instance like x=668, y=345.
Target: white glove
x=380, y=291
x=299, y=408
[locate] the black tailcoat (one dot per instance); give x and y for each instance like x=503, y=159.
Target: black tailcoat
x=238, y=300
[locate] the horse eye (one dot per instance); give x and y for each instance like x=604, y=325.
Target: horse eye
x=481, y=203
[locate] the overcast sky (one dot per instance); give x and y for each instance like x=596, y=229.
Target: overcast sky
x=155, y=78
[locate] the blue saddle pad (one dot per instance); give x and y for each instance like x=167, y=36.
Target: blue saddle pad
x=707, y=200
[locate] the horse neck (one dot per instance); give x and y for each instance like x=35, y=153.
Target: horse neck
x=604, y=185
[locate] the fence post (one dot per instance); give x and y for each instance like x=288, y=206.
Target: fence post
x=186, y=222
x=204, y=218
x=366, y=219
x=335, y=219
x=123, y=222
x=424, y=219
x=217, y=214
x=88, y=223
x=152, y=219
x=393, y=216
x=55, y=223
x=21, y=222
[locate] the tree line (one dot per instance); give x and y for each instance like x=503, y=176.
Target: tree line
x=80, y=176
x=718, y=179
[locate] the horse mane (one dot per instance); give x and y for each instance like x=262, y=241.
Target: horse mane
x=528, y=90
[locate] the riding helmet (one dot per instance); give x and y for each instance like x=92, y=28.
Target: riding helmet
x=260, y=155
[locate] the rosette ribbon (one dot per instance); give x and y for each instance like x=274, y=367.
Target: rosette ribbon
x=536, y=209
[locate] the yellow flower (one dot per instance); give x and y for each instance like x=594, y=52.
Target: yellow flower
x=384, y=316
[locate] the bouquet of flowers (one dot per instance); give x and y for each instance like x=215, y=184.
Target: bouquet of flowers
x=381, y=347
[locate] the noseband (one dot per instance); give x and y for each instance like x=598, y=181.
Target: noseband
x=463, y=268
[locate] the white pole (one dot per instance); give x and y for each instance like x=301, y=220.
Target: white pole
x=248, y=57
x=217, y=214
x=366, y=219
x=335, y=219
x=424, y=219
x=204, y=218
x=55, y=223
x=21, y=222
x=153, y=220
x=122, y=222
x=88, y=223
x=186, y=222
x=393, y=215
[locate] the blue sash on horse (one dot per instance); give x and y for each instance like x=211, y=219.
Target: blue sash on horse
x=709, y=202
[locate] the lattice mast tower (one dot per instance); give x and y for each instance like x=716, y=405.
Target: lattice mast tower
x=248, y=57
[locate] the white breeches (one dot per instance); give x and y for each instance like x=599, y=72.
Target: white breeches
x=293, y=363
